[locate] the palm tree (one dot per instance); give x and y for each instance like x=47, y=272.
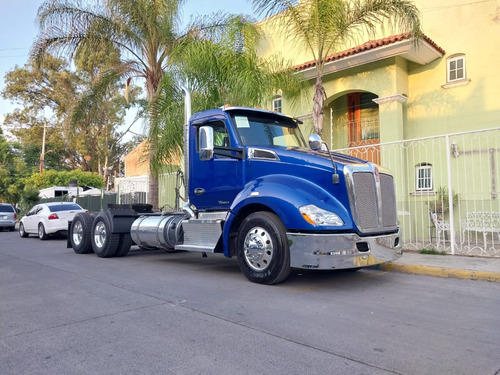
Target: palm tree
x=144, y=31
x=322, y=26
x=220, y=65
x=215, y=56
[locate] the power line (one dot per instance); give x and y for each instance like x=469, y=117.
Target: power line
x=13, y=49
x=443, y=7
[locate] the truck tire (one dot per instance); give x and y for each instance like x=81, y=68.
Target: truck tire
x=104, y=242
x=263, y=253
x=81, y=232
x=124, y=245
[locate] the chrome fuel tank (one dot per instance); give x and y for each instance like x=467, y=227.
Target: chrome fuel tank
x=162, y=232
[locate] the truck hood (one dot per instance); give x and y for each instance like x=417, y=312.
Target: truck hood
x=318, y=159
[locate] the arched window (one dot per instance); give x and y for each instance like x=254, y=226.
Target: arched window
x=423, y=177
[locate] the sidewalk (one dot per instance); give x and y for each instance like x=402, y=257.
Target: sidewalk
x=457, y=266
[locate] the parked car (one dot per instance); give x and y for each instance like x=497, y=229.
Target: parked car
x=48, y=218
x=8, y=216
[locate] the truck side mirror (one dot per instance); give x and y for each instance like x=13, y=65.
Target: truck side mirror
x=315, y=142
x=206, y=137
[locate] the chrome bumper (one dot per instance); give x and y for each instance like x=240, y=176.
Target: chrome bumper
x=338, y=251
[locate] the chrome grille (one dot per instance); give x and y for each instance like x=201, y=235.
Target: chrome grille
x=365, y=193
x=373, y=204
x=389, y=209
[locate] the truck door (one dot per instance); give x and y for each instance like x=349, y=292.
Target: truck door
x=213, y=184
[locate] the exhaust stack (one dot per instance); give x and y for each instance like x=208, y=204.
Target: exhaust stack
x=187, y=116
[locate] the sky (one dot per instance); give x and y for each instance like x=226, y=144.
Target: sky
x=18, y=31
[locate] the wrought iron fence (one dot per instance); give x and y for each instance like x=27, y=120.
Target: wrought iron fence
x=447, y=190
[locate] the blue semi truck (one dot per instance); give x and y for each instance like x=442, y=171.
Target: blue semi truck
x=257, y=191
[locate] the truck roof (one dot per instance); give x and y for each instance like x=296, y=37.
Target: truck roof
x=212, y=112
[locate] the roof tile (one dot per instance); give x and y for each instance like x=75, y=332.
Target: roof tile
x=372, y=44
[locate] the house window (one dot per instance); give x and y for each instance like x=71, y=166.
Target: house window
x=277, y=104
x=456, y=68
x=423, y=177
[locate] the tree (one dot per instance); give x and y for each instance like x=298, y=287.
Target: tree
x=144, y=31
x=322, y=26
x=220, y=65
x=11, y=171
x=51, y=97
x=146, y=34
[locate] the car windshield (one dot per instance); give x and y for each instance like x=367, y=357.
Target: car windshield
x=6, y=208
x=64, y=207
x=269, y=130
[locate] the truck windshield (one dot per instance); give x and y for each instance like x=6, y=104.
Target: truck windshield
x=261, y=129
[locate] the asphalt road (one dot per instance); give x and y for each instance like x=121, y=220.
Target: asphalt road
x=153, y=312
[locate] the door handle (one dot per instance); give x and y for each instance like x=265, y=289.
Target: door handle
x=199, y=191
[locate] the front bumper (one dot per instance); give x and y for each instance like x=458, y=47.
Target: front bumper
x=339, y=251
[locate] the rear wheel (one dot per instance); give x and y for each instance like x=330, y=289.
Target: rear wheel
x=124, y=245
x=81, y=232
x=263, y=253
x=41, y=232
x=12, y=228
x=22, y=231
x=104, y=242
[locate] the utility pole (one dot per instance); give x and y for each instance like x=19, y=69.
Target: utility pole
x=42, y=155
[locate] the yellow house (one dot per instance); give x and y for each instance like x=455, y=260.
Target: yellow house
x=136, y=162
x=446, y=84
x=430, y=112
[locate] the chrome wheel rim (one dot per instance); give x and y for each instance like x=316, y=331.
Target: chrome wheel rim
x=100, y=234
x=77, y=233
x=40, y=231
x=258, y=249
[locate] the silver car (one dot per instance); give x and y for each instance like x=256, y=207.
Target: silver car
x=8, y=216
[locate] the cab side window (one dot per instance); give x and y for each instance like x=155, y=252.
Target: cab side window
x=221, y=136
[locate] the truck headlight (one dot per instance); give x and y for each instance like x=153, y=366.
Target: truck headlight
x=317, y=216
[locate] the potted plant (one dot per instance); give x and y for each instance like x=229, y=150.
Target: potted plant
x=440, y=205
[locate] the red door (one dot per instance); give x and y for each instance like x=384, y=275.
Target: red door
x=363, y=127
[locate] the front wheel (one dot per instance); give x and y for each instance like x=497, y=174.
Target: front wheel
x=263, y=253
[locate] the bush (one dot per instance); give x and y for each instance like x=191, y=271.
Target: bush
x=62, y=178
x=29, y=197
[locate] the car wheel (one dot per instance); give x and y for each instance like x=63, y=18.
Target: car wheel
x=22, y=231
x=103, y=242
x=41, y=232
x=263, y=253
x=12, y=229
x=81, y=231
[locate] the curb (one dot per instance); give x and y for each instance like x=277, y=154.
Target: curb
x=441, y=272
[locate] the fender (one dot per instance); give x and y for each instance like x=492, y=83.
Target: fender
x=284, y=194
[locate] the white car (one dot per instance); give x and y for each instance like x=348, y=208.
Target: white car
x=48, y=218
